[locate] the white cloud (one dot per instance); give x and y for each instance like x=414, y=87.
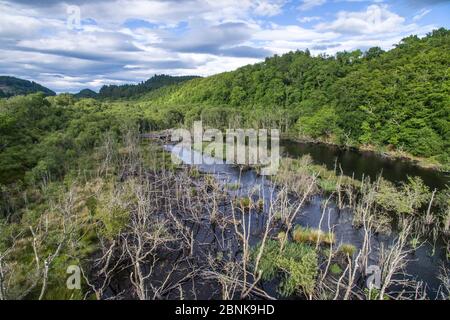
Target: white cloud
x=422, y=13
x=177, y=37
x=309, y=19
x=268, y=8
x=309, y=4
x=291, y=33
x=376, y=19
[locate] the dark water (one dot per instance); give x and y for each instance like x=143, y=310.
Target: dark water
x=364, y=163
x=425, y=263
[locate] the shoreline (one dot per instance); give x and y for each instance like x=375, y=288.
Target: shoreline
x=425, y=163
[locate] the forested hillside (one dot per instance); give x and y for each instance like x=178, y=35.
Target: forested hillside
x=86, y=93
x=40, y=136
x=399, y=100
x=11, y=86
x=134, y=90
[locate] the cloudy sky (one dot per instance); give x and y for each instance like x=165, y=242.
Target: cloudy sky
x=71, y=45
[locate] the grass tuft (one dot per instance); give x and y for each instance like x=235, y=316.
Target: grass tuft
x=310, y=235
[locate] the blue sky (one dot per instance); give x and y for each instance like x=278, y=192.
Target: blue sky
x=127, y=41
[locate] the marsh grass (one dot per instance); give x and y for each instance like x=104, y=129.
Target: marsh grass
x=247, y=203
x=298, y=173
x=347, y=249
x=310, y=235
x=232, y=186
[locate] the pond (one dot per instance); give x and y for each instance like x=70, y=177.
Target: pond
x=364, y=163
x=425, y=263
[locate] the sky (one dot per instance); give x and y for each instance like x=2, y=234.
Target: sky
x=71, y=45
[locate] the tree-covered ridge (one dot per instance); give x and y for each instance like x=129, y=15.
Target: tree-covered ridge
x=86, y=93
x=40, y=135
x=399, y=99
x=133, y=90
x=11, y=86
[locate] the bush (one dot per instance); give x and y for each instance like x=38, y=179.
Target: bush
x=335, y=269
x=297, y=264
x=404, y=200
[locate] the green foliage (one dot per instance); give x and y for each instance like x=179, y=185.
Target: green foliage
x=335, y=269
x=399, y=98
x=404, y=200
x=374, y=294
x=11, y=86
x=42, y=137
x=114, y=217
x=131, y=90
x=297, y=264
x=245, y=203
x=86, y=93
x=321, y=123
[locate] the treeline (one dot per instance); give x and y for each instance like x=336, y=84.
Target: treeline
x=397, y=100
x=11, y=86
x=40, y=137
x=135, y=90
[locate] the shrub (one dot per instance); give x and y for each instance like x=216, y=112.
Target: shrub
x=245, y=203
x=335, y=269
x=260, y=205
x=297, y=264
x=404, y=200
x=281, y=235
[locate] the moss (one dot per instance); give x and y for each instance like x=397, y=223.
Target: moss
x=246, y=204
x=277, y=216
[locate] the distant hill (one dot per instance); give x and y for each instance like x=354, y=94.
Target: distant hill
x=86, y=93
x=11, y=86
x=134, y=90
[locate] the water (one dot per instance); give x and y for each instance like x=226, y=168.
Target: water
x=424, y=263
x=359, y=163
